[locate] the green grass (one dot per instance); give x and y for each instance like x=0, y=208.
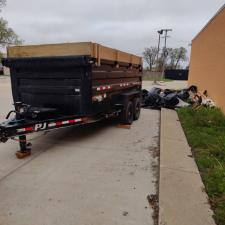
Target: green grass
x=157, y=79
x=205, y=131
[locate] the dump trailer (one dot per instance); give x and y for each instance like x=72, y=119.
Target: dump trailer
x=60, y=85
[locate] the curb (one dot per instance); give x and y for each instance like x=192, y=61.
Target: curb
x=182, y=200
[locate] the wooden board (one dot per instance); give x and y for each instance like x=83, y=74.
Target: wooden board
x=67, y=49
x=97, y=51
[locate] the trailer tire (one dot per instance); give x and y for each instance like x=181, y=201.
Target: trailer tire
x=136, y=108
x=127, y=113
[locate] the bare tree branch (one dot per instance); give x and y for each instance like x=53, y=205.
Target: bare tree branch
x=150, y=55
x=176, y=56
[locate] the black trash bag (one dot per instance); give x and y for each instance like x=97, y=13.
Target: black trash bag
x=155, y=90
x=170, y=101
x=144, y=95
x=144, y=98
x=153, y=99
x=183, y=94
x=168, y=91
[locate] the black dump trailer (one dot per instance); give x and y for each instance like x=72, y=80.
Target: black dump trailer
x=61, y=85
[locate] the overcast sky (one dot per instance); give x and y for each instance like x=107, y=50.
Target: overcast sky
x=129, y=25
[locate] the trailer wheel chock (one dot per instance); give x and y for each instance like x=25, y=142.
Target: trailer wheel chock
x=124, y=126
x=21, y=155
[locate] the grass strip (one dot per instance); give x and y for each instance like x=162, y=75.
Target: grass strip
x=205, y=132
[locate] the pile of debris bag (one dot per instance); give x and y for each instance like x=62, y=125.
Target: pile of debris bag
x=168, y=98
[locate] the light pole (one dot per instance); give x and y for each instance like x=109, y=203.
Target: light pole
x=165, y=53
x=160, y=32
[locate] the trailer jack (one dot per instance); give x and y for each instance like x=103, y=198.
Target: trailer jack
x=25, y=148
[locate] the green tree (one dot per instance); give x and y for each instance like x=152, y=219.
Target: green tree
x=7, y=34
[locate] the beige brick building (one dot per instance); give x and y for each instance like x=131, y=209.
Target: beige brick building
x=207, y=65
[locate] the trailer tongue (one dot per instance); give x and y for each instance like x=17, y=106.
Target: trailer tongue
x=56, y=86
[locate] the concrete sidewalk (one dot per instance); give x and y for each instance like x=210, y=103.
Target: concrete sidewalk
x=182, y=200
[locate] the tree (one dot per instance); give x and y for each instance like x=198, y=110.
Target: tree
x=2, y=3
x=169, y=58
x=150, y=55
x=7, y=35
x=181, y=56
x=159, y=62
x=172, y=58
x=163, y=59
x=176, y=56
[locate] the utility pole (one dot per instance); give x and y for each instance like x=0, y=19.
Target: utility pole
x=165, y=53
x=166, y=36
x=160, y=32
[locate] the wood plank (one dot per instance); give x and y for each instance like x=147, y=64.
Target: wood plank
x=67, y=49
x=124, y=57
x=107, y=53
x=99, y=52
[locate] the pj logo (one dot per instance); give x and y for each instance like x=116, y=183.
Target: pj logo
x=40, y=126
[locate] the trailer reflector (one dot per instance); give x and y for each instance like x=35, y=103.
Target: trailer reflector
x=51, y=125
x=59, y=123
x=21, y=130
x=77, y=120
x=29, y=129
x=101, y=88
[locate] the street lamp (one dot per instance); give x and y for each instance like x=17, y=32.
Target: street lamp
x=160, y=32
x=165, y=52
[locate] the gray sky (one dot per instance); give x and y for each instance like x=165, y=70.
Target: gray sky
x=129, y=25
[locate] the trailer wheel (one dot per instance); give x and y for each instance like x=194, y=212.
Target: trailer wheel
x=137, y=108
x=127, y=113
